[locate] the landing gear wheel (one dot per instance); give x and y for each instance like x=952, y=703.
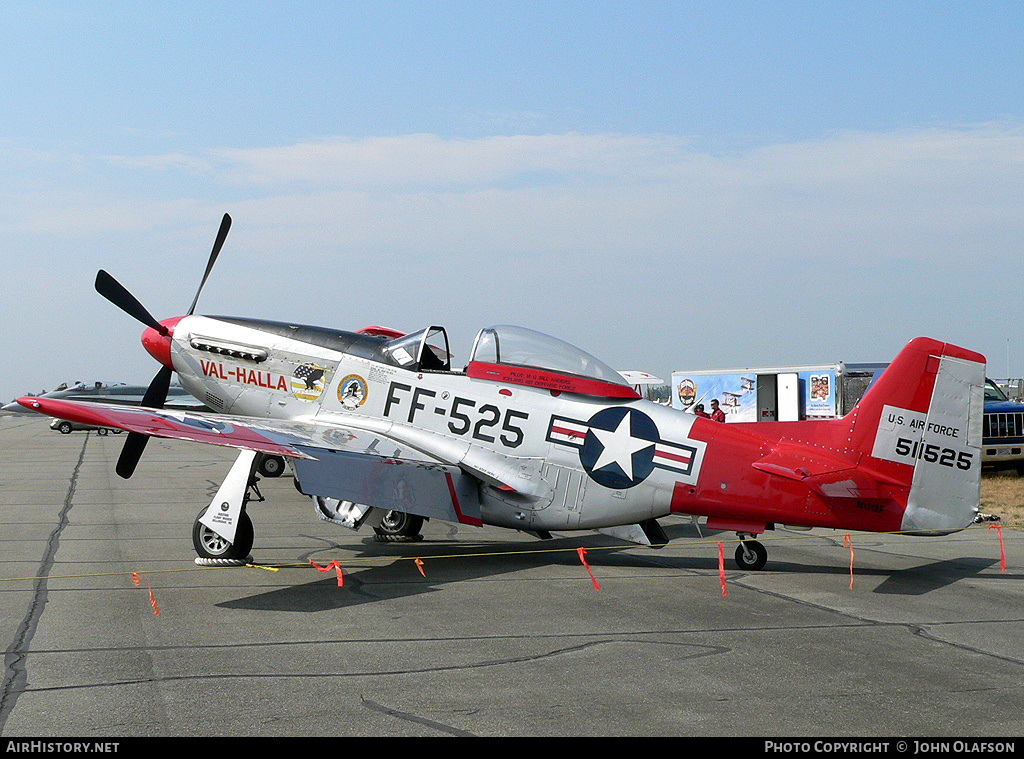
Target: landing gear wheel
x=751, y=555
x=399, y=527
x=210, y=545
x=271, y=466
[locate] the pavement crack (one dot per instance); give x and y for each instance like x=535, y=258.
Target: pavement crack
x=15, y=669
x=440, y=726
x=924, y=631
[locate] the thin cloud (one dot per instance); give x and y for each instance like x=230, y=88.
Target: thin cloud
x=597, y=195
x=425, y=159
x=877, y=194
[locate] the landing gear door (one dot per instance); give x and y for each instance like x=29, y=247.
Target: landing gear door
x=568, y=486
x=225, y=509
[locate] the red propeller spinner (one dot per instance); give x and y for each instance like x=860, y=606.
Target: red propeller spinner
x=157, y=343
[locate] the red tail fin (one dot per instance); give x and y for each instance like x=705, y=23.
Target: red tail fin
x=920, y=424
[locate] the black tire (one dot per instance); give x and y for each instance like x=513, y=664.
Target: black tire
x=102, y=431
x=210, y=545
x=64, y=428
x=271, y=466
x=759, y=559
x=399, y=527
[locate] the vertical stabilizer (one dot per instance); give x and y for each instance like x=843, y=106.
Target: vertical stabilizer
x=924, y=416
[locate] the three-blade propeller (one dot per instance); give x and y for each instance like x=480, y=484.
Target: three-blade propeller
x=156, y=393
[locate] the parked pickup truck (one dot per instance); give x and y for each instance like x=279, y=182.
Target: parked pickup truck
x=1002, y=434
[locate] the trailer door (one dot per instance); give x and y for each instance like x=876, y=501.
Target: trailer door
x=767, y=398
x=789, y=397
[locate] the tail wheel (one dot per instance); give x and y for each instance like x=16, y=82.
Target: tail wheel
x=399, y=527
x=751, y=555
x=210, y=545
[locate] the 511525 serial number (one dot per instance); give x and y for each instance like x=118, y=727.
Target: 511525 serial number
x=934, y=454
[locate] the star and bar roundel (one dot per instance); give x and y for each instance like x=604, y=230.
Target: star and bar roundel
x=619, y=447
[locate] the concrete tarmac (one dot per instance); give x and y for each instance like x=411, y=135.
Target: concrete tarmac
x=500, y=635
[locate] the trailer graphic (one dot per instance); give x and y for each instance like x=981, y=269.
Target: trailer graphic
x=779, y=393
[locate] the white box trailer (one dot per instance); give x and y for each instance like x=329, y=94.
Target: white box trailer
x=777, y=393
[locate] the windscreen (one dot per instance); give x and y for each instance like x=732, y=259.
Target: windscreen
x=517, y=346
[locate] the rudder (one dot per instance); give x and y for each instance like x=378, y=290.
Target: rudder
x=924, y=417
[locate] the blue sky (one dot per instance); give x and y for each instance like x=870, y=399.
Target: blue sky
x=667, y=185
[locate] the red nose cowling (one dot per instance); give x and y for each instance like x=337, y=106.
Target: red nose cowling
x=159, y=346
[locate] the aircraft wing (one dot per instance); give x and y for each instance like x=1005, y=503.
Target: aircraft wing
x=331, y=460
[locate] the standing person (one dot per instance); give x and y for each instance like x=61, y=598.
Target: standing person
x=699, y=411
x=716, y=413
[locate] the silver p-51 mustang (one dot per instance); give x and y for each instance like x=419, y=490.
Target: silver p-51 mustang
x=534, y=434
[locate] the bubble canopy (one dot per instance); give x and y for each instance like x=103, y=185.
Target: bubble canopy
x=524, y=357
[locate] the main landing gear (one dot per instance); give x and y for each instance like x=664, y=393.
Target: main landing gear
x=389, y=526
x=223, y=531
x=750, y=555
x=398, y=527
x=269, y=465
x=210, y=545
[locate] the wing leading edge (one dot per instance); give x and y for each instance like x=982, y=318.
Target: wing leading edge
x=331, y=461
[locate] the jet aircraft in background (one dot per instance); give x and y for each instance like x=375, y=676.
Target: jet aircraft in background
x=118, y=393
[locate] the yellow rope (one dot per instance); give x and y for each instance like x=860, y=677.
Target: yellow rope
x=369, y=560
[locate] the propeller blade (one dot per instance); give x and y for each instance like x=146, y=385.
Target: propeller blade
x=156, y=393
x=130, y=454
x=225, y=225
x=135, y=444
x=115, y=292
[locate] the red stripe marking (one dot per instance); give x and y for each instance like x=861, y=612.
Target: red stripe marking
x=455, y=504
x=568, y=432
x=674, y=456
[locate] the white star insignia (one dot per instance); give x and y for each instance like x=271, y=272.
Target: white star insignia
x=619, y=446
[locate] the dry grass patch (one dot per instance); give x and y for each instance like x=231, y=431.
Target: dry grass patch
x=1002, y=494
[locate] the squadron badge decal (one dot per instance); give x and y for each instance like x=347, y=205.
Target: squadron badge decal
x=352, y=391
x=309, y=381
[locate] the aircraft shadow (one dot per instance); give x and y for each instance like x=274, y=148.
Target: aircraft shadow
x=917, y=581
x=459, y=560
x=444, y=562
x=911, y=581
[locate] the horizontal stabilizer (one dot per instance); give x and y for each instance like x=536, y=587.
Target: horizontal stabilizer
x=827, y=476
x=803, y=465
